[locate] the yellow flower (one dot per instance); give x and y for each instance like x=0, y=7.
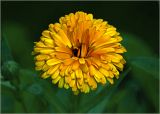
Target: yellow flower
x=79, y=52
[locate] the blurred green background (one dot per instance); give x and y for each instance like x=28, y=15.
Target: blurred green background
x=137, y=90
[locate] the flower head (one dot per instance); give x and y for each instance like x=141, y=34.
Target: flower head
x=79, y=52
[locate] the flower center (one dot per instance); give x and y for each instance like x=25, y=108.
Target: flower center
x=75, y=52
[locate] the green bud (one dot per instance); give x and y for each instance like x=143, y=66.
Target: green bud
x=10, y=70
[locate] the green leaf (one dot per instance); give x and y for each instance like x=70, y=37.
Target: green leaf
x=149, y=84
x=9, y=102
x=5, y=49
x=148, y=64
x=135, y=46
x=8, y=99
x=103, y=96
x=35, y=87
x=51, y=96
x=7, y=84
x=33, y=103
x=10, y=70
x=144, y=65
x=17, y=37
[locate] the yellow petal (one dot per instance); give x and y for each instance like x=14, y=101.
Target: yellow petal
x=65, y=38
x=111, y=33
x=90, y=16
x=80, y=81
x=42, y=57
x=58, y=40
x=62, y=56
x=104, y=72
x=103, y=80
x=92, y=83
x=45, y=67
x=116, y=74
x=73, y=76
x=62, y=73
x=40, y=63
x=54, y=61
x=75, y=65
x=85, y=88
x=84, y=50
x=102, y=51
x=46, y=51
x=55, y=75
x=48, y=42
x=97, y=78
x=45, y=75
x=110, y=80
x=46, y=33
x=66, y=86
x=63, y=49
x=76, y=92
x=68, y=70
x=74, y=88
x=84, y=67
x=112, y=67
x=72, y=83
x=123, y=61
x=78, y=85
x=91, y=70
x=40, y=44
x=56, y=80
x=53, y=69
x=81, y=60
x=79, y=73
x=119, y=65
x=38, y=68
x=111, y=74
x=106, y=66
x=61, y=39
x=61, y=83
x=63, y=68
x=114, y=58
x=68, y=61
x=120, y=50
x=96, y=61
x=68, y=79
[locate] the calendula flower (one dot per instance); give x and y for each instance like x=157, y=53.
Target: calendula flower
x=79, y=52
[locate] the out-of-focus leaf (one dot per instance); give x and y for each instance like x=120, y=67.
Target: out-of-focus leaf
x=10, y=70
x=145, y=70
x=50, y=94
x=149, y=84
x=17, y=36
x=7, y=84
x=33, y=103
x=5, y=50
x=104, y=95
x=37, y=87
x=9, y=103
x=27, y=78
x=8, y=99
x=18, y=107
x=130, y=96
x=130, y=101
x=135, y=46
x=148, y=64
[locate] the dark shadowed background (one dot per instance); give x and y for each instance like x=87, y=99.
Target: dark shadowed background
x=136, y=91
